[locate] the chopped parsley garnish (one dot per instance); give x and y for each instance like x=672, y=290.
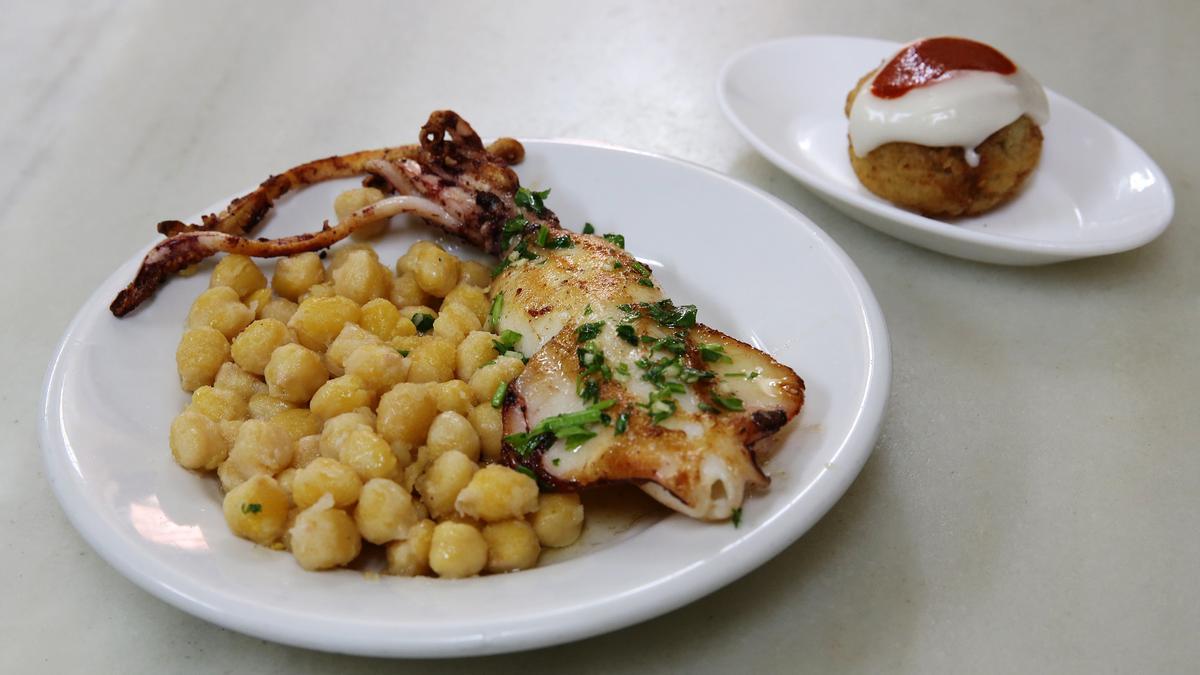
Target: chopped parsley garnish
x=512, y=227
x=423, y=321
x=570, y=427
x=665, y=313
x=622, y=372
x=520, y=252
x=544, y=240
x=497, y=308
x=714, y=354
x=588, y=331
x=252, y=508
x=555, y=461
x=588, y=390
x=640, y=268
x=508, y=339
x=587, y=311
x=645, y=281
x=728, y=402
x=591, y=360
x=531, y=201
x=748, y=374
x=622, y=422
x=616, y=239
x=673, y=344
x=737, y=517
x=626, y=332
x=403, y=352
x=498, y=397
x=588, y=228
x=617, y=265
x=527, y=471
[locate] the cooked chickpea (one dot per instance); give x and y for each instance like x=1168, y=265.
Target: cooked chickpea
x=295, y=373
x=432, y=361
x=405, y=414
x=367, y=453
x=261, y=448
x=385, y=511
x=384, y=320
x=476, y=274
x=296, y=274
x=407, y=263
x=319, y=320
x=324, y=537
x=360, y=277
x=347, y=341
x=230, y=430
x=472, y=298
x=350, y=201
x=512, y=545
x=436, y=270
x=232, y=378
x=489, y=425
x=379, y=367
x=476, y=349
x=239, y=273
x=280, y=309
x=219, y=404
x=497, y=493
x=323, y=476
x=452, y=431
x=453, y=395
x=222, y=309
x=257, y=300
x=323, y=290
x=307, y=449
x=457, y=550
x=337, y=430
x=445, y=477
x=257, y=510
x=199, y=356
x=485, y=380
x=407, y=293
x=340, y=395
x=298, y=423
x=410, y=557
x=558, y=519
x=285, y=479
x=253, y=347
x=196, y=442
x=343, y=252
x=265, y=406
x=454, y=322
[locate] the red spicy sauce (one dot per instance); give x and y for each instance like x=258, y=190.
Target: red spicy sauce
x=926, y=60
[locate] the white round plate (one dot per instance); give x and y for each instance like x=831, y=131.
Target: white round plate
x=755, y=267
x=1095, y=192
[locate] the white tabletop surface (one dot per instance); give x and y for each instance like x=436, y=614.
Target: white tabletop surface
x=1033, y=503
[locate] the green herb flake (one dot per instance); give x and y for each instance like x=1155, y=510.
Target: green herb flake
x=570, y=427
x=527, y=471
x=617, y=265
x=588, y=390
x=664, y=312
x=511, y=228
x=251, y=508
x=622, y=423
x=646, y=282
x=508, y=340
x=588, y=331
x=497, y=309
x=543, y=235
x=714, y=353
x=531, y=201
x=587, y=311
x=588, y=228
x=616, y=239
x=737, y=517
x=498, y=397
x=748, y=374
x=403, y=352
x=555, y=461
x=626, y=332
x=732, y=403
x=423, y=321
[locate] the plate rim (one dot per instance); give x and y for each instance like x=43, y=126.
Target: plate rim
x=852, y=452
x=829, y=191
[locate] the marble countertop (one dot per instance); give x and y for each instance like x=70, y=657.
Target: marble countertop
x=1033, y=503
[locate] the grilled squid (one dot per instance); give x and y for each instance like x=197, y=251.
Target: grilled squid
x=621, y=383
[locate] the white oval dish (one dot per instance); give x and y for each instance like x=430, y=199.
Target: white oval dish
x=1095, y=192
x=756, y=268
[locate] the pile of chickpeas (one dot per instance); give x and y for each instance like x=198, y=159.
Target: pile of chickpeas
x=331, y=420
